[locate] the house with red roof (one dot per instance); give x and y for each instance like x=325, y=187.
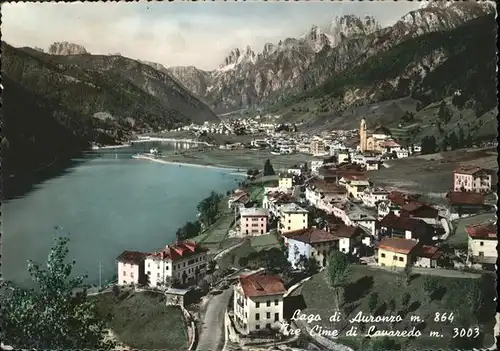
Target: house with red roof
x=258, y=302
x=420, y=210
x=462, y=204
x=310, y=242
x=427, y=256
x=131, y=267
x=483, y=242
x=404, y=227
x=396, y=252
x=182, y=263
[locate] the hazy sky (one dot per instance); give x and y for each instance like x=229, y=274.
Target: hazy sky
x=178, y=33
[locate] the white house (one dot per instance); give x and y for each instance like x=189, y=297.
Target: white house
x=184, y=263
x=483, y=242
x=371, y=196
x=258, y=302
x=385, y=207
x=402, y=153
x=131, y=267
x=295, y=171
x=473, y=179
x=343, y=156
x=349, y=236
x=316, y=165
x=310, y=243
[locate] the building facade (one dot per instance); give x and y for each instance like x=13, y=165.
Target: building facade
x=131, y=268
x=258, y=302
x=310, y=243
x=253, y=221
x=482, y=242
x=182, y=263
x=292, y=217
x=396, y=252
x=473, y=179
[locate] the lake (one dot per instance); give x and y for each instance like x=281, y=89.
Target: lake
x=107, y=203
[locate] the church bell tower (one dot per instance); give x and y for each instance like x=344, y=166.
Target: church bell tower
x=362, y=135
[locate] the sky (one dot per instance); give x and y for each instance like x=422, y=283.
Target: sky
x=179, y=33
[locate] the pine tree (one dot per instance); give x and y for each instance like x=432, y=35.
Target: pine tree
x=57, y=314
x=453, y=141
x=461, y=137
x=444, y=143
x=268, y=168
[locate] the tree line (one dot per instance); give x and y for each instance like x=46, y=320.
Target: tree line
x=209, y=211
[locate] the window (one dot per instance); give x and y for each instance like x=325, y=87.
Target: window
x=257, y=316
x=149, y=273
x=394, y=257
x=158, y=275
x=132, y=275
x=149, y=264
x=257, y=327
x=481, y=243
x=268, y=325
x=276, y=302
x=268, y=303
x=166, y=267
x=276, y=317
x=289, y=221
x=268, y=315
x=124, y=282
x=257, y=304
x=124, y=273
x=401, y=259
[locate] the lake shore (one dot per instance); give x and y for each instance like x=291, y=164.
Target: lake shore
x=175, y=140
x=235, y=171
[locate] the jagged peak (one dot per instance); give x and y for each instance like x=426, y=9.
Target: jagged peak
x=66, y=48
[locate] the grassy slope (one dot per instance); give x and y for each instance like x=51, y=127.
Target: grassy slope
x=143, y=321
x=363, y=281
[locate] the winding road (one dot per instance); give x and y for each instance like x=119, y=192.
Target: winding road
x=211, y=328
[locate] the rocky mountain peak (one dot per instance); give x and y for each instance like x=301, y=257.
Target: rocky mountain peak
x=237, y=57
x=66, y=48
x=346, y=26
x=317, y=38
x=441, y=15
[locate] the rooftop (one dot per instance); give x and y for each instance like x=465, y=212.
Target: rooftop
x=465, y=198
x=132, y=257
x=256, y=285
x=292, y=208
x=397, y=222
x=341, y=230
x=471, y=170
x=404, y=246
x=253, y=212
x=311, y=236
x=482, y=230
x=179, y=251
x=431, y=252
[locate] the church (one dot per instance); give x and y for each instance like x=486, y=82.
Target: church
x=373, y=141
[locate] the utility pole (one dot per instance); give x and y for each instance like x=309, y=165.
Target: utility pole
x=100, y=275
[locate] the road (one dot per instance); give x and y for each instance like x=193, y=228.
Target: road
x=212, y=325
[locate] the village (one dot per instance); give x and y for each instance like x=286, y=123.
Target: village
x=241, y=282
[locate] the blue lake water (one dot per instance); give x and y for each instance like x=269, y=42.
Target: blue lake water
x=107, y=203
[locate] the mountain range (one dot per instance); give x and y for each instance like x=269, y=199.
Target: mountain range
x=296, y=65
x=330, y=75
x=59, y=103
